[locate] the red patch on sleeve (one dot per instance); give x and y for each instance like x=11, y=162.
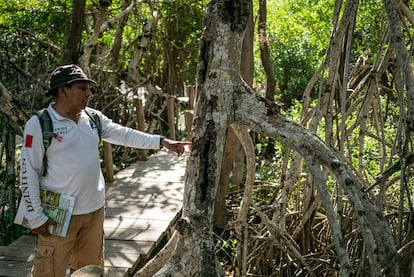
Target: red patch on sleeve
x=28, y=141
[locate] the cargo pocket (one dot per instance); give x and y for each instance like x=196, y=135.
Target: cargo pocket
x=44, y=265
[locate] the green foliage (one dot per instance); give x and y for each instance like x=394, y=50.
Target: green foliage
x=292, y=70
x=298, y=32
x=37, y=17
x=269, y=156
x=9, y=231
x=27, y=28
x=8, y=206
x=369, y=26
x=180, y=36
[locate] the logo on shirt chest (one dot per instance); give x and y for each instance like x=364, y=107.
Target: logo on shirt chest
x=59, y=133
x=92, y=124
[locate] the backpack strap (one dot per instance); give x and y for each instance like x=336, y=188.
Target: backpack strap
x=95, y=119
x=47, y=132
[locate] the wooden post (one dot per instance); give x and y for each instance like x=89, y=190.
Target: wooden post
x=188, y=114
x=141, y=125
x=191, y=97
x=171, y=117
x=188, y=117
x=109, y=166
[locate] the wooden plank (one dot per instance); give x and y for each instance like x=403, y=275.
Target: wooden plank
x=17, y=258
x=15, y=269
x=17, y=253
x=150, y=186
x=129, y=261
x=140, y=195
x=120, y=260
x=119, y=263
x=132, y=234
x=116, y=271
x=139, y=223
x=145, y=211
x=25, y=240
x=128, y=246
x=133, y=204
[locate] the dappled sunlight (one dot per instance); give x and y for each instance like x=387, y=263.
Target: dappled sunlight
x=141, y=204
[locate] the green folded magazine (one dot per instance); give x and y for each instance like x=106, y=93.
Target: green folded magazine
x=59, y=207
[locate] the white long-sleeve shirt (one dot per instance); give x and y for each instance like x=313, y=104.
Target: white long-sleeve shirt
x=73, y=164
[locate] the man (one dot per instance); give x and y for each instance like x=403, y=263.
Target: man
x=73, y=168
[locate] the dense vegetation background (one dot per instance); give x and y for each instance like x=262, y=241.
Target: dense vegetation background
x=130, y=47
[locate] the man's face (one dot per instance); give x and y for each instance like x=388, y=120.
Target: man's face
x=77, y=95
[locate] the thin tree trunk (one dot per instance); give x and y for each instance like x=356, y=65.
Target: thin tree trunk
x=71, y=51
x=119, y=35
x=402, y=55
x=241, y=226
x=264, y=51
x=233, y=159
x=220, y=213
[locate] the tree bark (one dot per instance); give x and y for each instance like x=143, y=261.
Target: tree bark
x=118, y=36
x=100, y=26
x=218, y=71
x=71, y=51
x=220, y=213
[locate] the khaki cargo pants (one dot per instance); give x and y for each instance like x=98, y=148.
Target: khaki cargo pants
x=83, y=245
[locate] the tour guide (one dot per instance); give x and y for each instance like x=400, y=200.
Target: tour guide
x=73, y=168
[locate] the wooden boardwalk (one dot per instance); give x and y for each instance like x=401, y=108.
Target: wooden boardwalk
x=142, y=204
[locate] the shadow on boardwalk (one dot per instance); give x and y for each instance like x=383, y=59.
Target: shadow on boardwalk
x=141, y=205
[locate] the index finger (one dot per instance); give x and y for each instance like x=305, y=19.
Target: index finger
x=186, y=142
